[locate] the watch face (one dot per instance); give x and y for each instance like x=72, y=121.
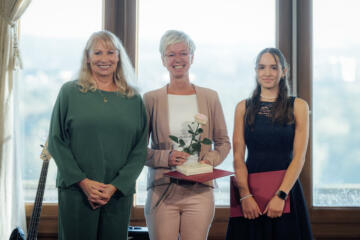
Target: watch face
x=282, y=195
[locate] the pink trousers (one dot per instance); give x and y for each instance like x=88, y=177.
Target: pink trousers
x=184, y=212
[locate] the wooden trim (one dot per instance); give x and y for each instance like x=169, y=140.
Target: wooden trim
x=284, y=39
x=304, y=81
x=121, y=19
x=327, y=222
x=47, y=228
x=343, y=229
x=336, y=231
x=335, y=215
x=322, y=230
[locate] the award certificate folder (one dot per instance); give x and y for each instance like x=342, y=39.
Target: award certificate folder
x=200, y=178
x=263, y=187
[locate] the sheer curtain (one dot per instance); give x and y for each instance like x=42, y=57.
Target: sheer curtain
x=12, y=209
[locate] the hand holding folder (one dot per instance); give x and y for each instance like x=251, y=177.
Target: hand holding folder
x=263, y=187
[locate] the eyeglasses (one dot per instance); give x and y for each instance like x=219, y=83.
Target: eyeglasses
x=173, y=55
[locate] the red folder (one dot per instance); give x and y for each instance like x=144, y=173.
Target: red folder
x=263, y=187
x=200, y=178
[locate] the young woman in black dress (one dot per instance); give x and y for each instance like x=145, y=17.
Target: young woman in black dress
x=274, y=128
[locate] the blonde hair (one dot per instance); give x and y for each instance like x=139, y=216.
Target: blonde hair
x=175, y=36
x=124, y=73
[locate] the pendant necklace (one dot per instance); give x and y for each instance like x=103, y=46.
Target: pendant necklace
x=105, y=98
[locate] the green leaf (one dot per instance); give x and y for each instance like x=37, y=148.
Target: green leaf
x=187, y=150
x=191, y=132
x=182, y=143
x=200, y=130
x=206, y=141
x=175, y=139
x=196, y=147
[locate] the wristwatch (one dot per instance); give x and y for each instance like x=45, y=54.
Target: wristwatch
x=282, y=195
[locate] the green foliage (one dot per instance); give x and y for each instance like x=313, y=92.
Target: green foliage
x=182, y=143
x=206, y=141
x=195, y=144
x=175, y=139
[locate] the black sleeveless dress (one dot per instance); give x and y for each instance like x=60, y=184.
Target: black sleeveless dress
x=270, y=147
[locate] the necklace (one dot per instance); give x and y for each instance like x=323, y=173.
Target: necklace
x=105, y=98
x=268, y=98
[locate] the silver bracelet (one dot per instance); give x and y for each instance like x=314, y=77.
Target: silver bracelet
x=245, y=197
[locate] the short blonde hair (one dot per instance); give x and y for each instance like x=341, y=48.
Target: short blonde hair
x=124, y=72
x=175, y=36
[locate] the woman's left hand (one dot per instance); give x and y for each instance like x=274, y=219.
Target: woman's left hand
x=206, y=162
x=211, y=158
x=275, y=207
x=94, y=205
x=108, y=191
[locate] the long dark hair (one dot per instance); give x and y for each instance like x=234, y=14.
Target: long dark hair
x=282, y=111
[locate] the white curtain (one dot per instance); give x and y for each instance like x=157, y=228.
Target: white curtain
x=12, y=209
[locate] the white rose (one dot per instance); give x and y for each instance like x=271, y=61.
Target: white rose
x=201, y=118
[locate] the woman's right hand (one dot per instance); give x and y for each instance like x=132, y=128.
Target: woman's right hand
x=94, y=192
x=177, y=158
x=250, y=208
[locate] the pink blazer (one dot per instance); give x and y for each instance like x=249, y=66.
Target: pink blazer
x=156, y=104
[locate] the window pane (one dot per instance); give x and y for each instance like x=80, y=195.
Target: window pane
x=227, y=36
x=52, y=39
x=336, y=89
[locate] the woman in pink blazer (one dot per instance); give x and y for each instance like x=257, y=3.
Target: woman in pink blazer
x=180, y=207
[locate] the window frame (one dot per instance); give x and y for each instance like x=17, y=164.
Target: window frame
x=294, y=38
x=327, y=222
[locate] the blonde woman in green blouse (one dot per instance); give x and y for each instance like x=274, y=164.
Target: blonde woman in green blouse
x=98, y=140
